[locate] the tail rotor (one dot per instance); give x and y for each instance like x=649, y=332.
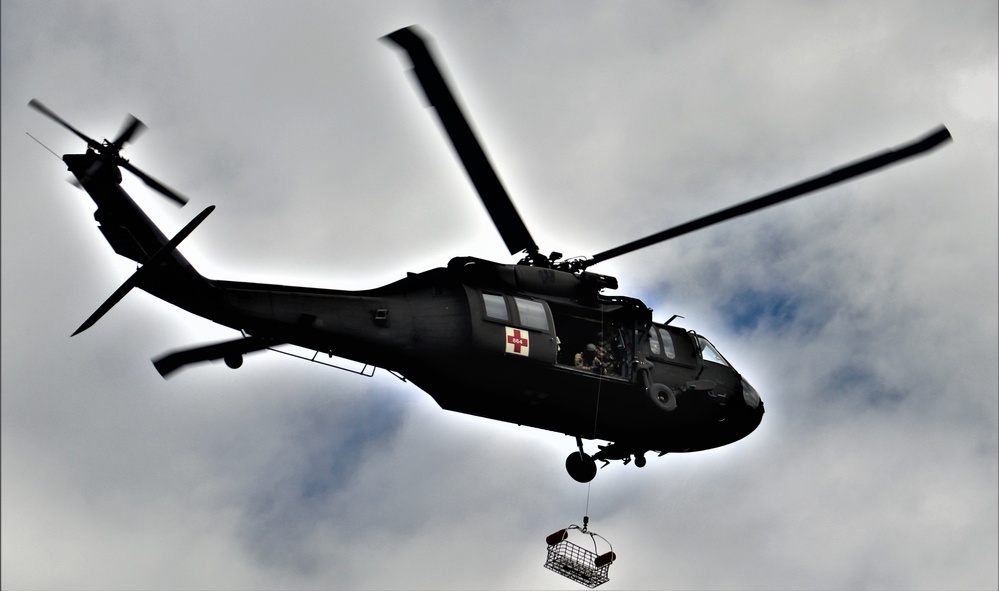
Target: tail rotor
x=110, y=151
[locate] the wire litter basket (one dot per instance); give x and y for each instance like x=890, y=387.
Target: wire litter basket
x=577, y=563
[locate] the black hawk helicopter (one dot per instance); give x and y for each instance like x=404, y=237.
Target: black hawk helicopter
x=533, y=343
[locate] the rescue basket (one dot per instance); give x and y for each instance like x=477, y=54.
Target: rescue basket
x=577, y=563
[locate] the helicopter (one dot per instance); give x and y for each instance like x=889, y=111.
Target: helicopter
x=536, y=342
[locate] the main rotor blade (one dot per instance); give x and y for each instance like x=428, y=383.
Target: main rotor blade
x=155, y=184
x=171, y=362
x=511, y=227
x=837, y=175
x=132, y=127
x=51, y=115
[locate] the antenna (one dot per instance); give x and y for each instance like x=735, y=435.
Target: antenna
x=44, y=146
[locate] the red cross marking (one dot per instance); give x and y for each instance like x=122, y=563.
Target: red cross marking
x=517, y=340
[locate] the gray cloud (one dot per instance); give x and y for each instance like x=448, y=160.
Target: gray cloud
x=865, y=315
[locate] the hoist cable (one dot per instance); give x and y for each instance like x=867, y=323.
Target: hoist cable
x=600, y=379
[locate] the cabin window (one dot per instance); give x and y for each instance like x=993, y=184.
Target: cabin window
x=495, y=307
x=532, y=314
x=668, y=350
x=654, y=347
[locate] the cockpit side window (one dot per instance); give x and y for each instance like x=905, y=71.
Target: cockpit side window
x=709, y=353
x=661, y=343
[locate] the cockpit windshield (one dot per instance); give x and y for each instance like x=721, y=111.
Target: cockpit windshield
x=709, y=353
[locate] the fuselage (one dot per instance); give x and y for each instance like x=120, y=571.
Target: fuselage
x=483, y=347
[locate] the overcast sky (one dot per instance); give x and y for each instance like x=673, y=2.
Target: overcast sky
x=865, y=315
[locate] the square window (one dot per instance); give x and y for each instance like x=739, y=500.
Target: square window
x=495, y=307
x=532, y=314
x=668, y=349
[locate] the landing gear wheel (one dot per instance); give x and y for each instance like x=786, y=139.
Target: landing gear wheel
x=640, y=461
x=234, y=360
x=662, y=397
x=580, y=466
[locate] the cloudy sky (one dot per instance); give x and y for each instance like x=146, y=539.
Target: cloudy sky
x=866, y=315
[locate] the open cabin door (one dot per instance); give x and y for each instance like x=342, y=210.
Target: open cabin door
x=608, y=332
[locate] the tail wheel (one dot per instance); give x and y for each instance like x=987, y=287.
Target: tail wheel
x=663, y=397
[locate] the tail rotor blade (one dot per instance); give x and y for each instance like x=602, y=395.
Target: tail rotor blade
x=153, y=183
x=132, y=127
x=109, y=151
x=51, y=115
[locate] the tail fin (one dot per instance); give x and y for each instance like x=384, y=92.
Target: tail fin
x=160, y=257
x=125, y=226
x=164, y=272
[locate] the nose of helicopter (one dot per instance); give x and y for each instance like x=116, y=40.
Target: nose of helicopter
x=751, y=396
x=753, y=414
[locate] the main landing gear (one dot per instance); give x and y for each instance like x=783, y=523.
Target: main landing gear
x=580, y=465
x=583, y=467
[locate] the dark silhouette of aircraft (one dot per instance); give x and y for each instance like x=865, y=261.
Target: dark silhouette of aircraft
x=534, y=343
